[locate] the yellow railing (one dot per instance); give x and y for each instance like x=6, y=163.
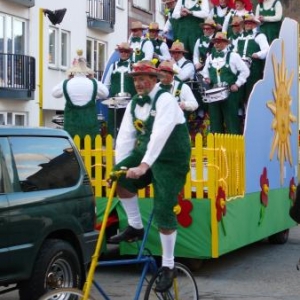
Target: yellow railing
x=221, y=163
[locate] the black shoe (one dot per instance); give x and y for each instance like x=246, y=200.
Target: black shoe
x=165, y=280
x=129, y=235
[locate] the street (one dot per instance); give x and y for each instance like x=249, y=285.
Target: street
x=257, y=272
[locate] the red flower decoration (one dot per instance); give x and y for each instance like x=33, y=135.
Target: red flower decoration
x=182, y=210
x=221, y=204
x=264, y=185
x=293, y=187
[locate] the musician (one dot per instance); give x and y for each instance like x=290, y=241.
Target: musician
x=183, y=67
x=241, y=8
x=203, y=45
x=170, y=28
x=161, y=49
x=181, y=91
x=219, y=12
x=81, y=91
x=142, y=47
x=119, y=83
x=225, y=68
x=237, y=27
x=270, y=14
x=190, y=14
x=253, y=47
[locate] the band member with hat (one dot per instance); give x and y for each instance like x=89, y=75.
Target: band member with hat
x=253, y=47
x=270, y=15
x=225, y=68
x=161, y=49
x=183, y=67
x=189, y=14
x=142, y=48
x=81, y=91
x=119, y=85
x=203, y=46
x=154, y=144
x=237, y=27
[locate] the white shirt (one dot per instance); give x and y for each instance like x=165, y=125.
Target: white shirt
x=196, y=54
x=80, y=90
x=147, y=49
x=185, y=72
x=237, y=65
x=234, y=12
x=168, y=115
x=202, y=14
x=267, y=5
x=186, y=95
x=165, y=53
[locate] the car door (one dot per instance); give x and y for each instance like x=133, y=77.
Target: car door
x=4, y=218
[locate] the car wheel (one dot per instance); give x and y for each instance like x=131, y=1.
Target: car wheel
x=57, y=266
x=279, y=237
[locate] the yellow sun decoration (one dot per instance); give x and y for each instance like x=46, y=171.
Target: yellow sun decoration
x=281, y=109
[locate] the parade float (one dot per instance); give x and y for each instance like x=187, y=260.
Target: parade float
x=240, y=188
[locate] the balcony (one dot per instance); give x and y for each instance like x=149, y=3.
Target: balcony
x=26, y=3
x=17, y=76
x=101, y=15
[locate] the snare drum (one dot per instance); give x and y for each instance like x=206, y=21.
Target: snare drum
x=216, y=94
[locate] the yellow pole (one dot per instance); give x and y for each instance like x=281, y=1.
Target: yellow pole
x=41, y=65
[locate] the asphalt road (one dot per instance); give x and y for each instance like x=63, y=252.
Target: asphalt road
x=257, y=272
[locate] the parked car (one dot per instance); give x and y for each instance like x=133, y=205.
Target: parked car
x=47, y=211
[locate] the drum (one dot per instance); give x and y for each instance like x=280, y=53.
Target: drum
x=116, y=102
x=216, y=94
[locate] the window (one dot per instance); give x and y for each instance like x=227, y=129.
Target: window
x=144, y=4
x=44, y=163
x=95, y=56
x=13, y=118
x=59, y=48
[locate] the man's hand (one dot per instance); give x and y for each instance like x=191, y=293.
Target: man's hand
x=234, y=88
x=138, y=171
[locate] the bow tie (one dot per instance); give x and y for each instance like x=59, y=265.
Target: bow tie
x=219, y=54
x=141, y=100
x=135, y=39
x=166, y=86
x=249, y=32
x=122, y=63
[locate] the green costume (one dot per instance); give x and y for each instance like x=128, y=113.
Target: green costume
x=168, y=173
x=138, y=53
x=257, y=65
x=224, y=112
x=115, y=88
x=81, y=120
x=188, y=30
x=270, y=29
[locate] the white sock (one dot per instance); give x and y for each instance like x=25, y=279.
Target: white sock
x=132, y=210
x=168, y=246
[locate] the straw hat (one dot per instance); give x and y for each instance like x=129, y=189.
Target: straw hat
x=167, y=66
x=251, y=18
x=177, y=47
x=79, y=66
x=220, y=37
x=154, y=26
x=144, y=67
x=236, y=20
x=124, y=46
x=209, y=22
x=136, y=25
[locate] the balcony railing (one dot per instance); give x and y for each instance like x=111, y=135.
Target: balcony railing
x=101, y=14
x=17, y=76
